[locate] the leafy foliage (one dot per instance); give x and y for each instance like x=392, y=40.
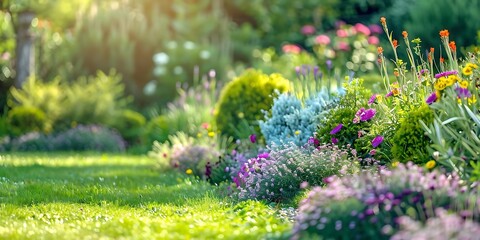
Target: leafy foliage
x=410, y=142
x=26, y=119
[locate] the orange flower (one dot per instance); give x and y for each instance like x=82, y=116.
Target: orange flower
x=396, y=73
x=442, y=60
x=395, y=43
x=405, y=34
x=380, y=50
x=453, y=46
x=383, y=20
x=432, y=49
x=444, y=33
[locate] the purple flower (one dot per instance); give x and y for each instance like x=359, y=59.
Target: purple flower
x=364, y=115
x=334, y=140
x=377, y=141
x=336, y=129
x=463, y=92
x=329, y=64
x=253, y=138
x=372, y=99
x=444, y=74
x=368, y=114
x=389, y=94
x=432, y=98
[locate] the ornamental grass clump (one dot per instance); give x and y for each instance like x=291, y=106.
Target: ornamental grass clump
x=368, y=205
x=277, y=176
x=452, y=96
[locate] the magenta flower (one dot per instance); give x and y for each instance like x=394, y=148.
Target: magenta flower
x=431, y=98
x=377, y=141
x=372, y=99
x=336, y=129
x=389, y=94
x=368, y=114
x=334, y=140
x=253, y=138
x=364, y=115
x=444, y=74
x=263, y=155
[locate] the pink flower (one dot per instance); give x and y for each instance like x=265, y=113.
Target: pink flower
x=336, y=129
x=373, y=40
x=322, y=39
x=303, y=185
x=291, y=48
x=373, y=152
x=343, y=46
x=308, y=30
x=342, y=33
x=362, y=29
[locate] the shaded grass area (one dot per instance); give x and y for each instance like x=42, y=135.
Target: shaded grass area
x=65, y=196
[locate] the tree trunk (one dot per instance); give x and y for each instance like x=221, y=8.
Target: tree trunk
x=24, y=64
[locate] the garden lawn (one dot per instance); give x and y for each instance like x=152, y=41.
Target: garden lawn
x=92, y=196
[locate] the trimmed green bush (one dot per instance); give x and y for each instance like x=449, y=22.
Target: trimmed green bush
x=25, y=119
x=243, y=99
x=410, y=142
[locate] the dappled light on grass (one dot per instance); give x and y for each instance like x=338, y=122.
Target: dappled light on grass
x=57, y=196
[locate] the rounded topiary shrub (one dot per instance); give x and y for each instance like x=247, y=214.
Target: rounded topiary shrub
x=26, y=119
x=130, y=124
x=410, y=142
x=243, y=99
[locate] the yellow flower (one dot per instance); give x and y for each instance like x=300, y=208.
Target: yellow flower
x=472, y=65
x=472, y=100
x=463, y=84
x=395, y=164
x=211, y=134
x=440, y=84
x=189, y=171
x=467, y=71
x=450, y=80
x=430, y=164
x=297, y=132
x=395, y=92
x=199, y=135
x=379, y=98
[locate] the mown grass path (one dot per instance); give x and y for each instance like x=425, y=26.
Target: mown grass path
x=92, y=196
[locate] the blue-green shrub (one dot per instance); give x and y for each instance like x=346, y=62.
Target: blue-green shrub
x=292, y=122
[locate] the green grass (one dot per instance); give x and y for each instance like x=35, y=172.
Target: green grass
x=88, y=196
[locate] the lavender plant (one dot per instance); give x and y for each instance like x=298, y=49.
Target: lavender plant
x=367, y=205
x=277, y=176
x=443, y=226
